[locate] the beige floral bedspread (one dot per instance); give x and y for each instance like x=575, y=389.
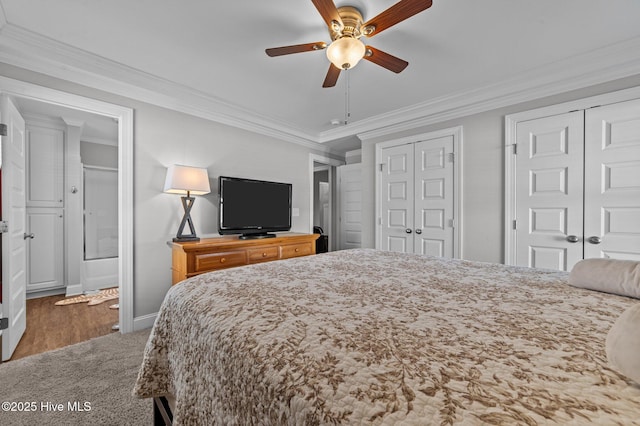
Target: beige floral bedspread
x=370, y=337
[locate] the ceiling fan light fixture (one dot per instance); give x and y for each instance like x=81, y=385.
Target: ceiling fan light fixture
x=346, y=52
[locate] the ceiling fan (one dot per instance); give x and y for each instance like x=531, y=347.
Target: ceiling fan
x=346, y=27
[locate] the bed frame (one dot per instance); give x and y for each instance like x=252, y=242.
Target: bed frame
x=162, y=415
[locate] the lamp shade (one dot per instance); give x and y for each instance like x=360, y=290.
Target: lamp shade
x=346, y=52
x=183, y=179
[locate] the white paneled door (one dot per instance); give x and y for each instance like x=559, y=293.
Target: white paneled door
x=416, y=183
x=350, y=193
x=612, y=180
x=13, y=239
x=549, y=182
x=578, y=186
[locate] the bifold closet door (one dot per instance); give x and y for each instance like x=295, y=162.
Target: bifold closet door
x=612, y=181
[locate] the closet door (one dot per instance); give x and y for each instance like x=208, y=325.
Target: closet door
x=549, y=185
x=417, y=197
x=396, y=196
x=612, y=181
x=433, y=197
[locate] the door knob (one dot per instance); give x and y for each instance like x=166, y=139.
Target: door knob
x=31, y=235
x=572, y=238
x=418, y=231
x=408, y=231
x=595, y=240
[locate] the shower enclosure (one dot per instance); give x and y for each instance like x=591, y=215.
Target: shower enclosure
x=100, y=266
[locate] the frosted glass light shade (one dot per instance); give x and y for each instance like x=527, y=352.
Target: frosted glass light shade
x=345, y=52
x=181, y=179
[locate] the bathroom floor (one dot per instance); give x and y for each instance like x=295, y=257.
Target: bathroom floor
x=51, y=327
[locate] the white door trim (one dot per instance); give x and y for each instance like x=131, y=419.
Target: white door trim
x=456, y=133
x=124, y=116
x=511, y=122
x=332, y=164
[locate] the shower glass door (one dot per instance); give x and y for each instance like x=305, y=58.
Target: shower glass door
x=100, y=213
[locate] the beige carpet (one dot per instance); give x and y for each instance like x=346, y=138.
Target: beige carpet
x=100, y=372
x=92, y=299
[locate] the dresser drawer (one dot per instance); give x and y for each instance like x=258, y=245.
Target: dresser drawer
x=295, y=250
x=262, y=254
x=211, y=261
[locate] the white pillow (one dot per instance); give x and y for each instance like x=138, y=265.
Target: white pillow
x=608, y=275
x=623, y=344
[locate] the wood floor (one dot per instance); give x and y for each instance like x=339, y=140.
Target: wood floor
x=51, y=327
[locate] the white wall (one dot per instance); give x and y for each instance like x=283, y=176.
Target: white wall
x=483, y=172
x=163, y=137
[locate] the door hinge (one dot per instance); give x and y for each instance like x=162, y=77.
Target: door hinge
x=515, y=224
x=3, y=129
x=381, y=166
x=452, y=223
x=452, y=157
x=4, y=323
x=515, y=148
x=4, y=227
x=380, y=221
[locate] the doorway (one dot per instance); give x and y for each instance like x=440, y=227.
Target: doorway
x=124, y=118
x=323, y=176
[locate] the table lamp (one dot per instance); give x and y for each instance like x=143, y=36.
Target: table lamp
x=190, y=181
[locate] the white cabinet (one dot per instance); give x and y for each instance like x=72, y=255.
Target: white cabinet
x=45, y=268
x=44, y=206
x=45, y=165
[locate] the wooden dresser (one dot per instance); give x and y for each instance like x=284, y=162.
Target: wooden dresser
x=210, y=254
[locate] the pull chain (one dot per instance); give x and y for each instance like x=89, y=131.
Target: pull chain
x=347, y=100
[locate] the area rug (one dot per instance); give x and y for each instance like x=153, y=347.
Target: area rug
x=92, y=299
x=89, y=383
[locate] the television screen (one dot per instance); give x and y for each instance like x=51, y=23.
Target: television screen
x=253, y=207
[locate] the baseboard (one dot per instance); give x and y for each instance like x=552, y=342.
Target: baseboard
x=74, y=290
x=145, y=321
x=45, y=293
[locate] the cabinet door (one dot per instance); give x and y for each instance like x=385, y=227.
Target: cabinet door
x=45, y=269
x=612, y=181
x=45, y=165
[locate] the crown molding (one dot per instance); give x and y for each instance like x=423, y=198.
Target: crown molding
x=28, y=50
x=595, y=67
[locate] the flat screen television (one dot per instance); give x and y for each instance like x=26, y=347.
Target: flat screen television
x=253, y=208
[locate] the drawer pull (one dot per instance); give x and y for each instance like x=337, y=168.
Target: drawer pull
x=223, y=260
x=264, y=254
x=297, y=249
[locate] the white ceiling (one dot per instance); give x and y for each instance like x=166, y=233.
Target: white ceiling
x=211, y=53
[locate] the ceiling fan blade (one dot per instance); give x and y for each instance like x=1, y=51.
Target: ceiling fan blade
x=332, y=76
x=385, y=60
x=297, y=48
x=397, y=13
x=328, y=11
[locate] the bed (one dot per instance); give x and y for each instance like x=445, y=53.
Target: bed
x=371, y=337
